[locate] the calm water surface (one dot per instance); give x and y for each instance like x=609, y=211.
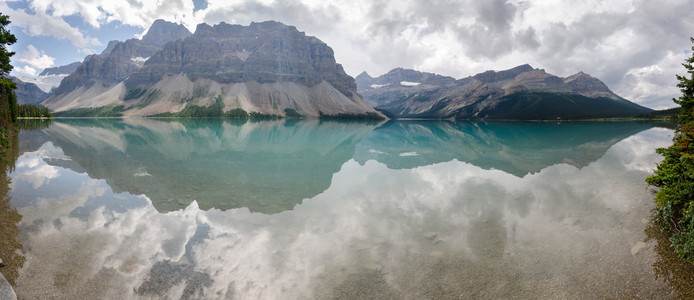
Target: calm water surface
x=141, y=208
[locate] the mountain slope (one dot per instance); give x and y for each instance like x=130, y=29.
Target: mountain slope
x=522, y=93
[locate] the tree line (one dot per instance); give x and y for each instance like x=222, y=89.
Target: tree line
x=33, y=111
x=10, y=110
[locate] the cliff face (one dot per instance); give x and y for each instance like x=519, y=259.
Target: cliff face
x=518, y=93
x=267, y=68
x=264, y=52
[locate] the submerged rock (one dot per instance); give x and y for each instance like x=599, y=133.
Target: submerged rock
x=572, y=221
x=431, y=235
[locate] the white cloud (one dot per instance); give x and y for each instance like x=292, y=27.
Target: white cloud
x=34, y=58
x=25, y=70
x=34, y=172
x=43, y=24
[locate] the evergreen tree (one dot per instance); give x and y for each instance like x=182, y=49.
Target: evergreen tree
x=6, y=39
x=686, y=85
x=675, y=174
x=8, y=106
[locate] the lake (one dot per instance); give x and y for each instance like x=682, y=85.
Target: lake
x=209, y=208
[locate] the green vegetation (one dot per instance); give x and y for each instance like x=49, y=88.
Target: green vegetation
x=135, y=93
x=671, y=114
x=236, y=113
x=9, y=110
x=262, y=116
x=34, y=124
x=111, y=110
x=344, y=116
x=216, y=110
x=192, y=110
x=291, y=113
x=540, y=105
x=6, y=39
x=674, y=176
x=30, y=111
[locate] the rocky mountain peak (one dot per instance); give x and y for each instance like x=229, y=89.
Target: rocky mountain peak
x=267, y=68
x=364, y=75
x=399, y=76
x=494, y=76
x=162, y=32
x=109, y=48
x=522, y=92
x=582, y=82
x=363, y=79
x=66, y=69
x=264, y=52
x=120, y=59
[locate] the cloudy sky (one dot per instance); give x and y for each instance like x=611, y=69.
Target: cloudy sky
x=635, y=46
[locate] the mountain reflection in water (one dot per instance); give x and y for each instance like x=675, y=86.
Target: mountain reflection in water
x=516, y=148
x=272, y=166
x=265, y=166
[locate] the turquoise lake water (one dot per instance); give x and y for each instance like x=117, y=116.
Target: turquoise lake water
x=216, y=209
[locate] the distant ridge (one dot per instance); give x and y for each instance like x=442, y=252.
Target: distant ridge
x=66, y=69
x=520, y=93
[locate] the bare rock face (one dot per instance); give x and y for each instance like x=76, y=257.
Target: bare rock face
x=400, y=76
x=265, y=52
x=518, y=93
x=117, y=62
x=588, y=85
x=399, y=83
x=498, y=76
x=266, y=68
x=162, y=32
x=66, y=69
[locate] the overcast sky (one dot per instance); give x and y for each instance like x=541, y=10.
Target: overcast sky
x=636, y=47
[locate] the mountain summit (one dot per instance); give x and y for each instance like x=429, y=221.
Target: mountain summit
x=96, y=81
x=520, y=93
x=266, y=68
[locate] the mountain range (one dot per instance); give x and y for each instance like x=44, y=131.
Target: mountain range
x=265, y=68
x=272, y=69
x=519, y=93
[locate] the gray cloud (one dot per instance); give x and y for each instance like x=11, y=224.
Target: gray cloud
x=527, y=39
x=292, y=13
